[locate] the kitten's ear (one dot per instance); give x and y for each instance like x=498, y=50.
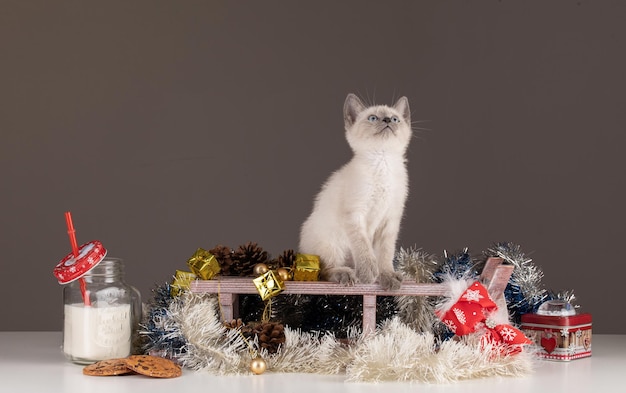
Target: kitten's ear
x=351, y=109
x=402, y=106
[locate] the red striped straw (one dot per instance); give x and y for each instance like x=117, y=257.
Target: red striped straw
x=72, y=234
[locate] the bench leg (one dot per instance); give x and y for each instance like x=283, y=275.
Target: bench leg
x=369, y=314
x=229, y=306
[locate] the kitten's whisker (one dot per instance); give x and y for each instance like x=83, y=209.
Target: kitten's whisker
x=414, y=128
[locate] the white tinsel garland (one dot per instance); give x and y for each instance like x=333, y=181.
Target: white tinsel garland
x=395, y=352
x=398, y=353
x=210, y=345
x=308, y=353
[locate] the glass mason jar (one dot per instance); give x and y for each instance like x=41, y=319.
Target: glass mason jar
x=102, y=326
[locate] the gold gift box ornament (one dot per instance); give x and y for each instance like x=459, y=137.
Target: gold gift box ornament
x=268, y=285
x=306, y=267
x=204, y=264
x=181, y=282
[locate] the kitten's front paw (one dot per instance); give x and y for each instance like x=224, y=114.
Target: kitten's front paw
x=367, y=273
x=390, y=280
x=342, y=275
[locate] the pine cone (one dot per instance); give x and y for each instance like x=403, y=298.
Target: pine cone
x=270, y=335
x=247, y=330
x=286, y=259
x=224, y=256
x=234, y=324
x=246, y=257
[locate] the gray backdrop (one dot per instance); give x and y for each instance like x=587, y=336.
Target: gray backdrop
x=167, y=126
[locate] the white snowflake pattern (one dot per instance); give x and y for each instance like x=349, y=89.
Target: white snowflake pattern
x=564, y=332
x=508, y=334
x=450, y=325
x=472, y=295
x=460, y=315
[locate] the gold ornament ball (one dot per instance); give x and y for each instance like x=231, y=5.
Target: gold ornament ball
x=283, y=274
x=260, y=268
x=258, y=365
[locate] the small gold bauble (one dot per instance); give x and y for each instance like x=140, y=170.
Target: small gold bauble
x=258, y=365
x=260, y=268
x=283, y=274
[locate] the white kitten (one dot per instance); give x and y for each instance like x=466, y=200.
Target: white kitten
x=356, y=216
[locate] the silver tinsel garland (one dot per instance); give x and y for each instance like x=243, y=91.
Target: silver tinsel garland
x=526, y=275
x=408, y=347
x=525, y=291
x=417, y=311
x=395, y=352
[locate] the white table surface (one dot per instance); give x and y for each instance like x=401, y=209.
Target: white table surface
x=34, y=362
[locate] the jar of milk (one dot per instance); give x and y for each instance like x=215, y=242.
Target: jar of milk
x=101, y=313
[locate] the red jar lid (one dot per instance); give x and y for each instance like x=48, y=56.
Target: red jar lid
x=70, y=268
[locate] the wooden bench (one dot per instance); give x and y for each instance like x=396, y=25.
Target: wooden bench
x=495, y=277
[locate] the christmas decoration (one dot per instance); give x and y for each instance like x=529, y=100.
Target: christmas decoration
x=161, y=334
x=253, y=307
x=259, y=268
x=234, y=324
x=395, y=352
x=473, y=312
x=283, y=273
x=224, y=256
x=322, y=333
x=418, y=311
x=258, y=365
x=399, y=353
x=207, y=342
x=284, y=260
x=181, y=281
x=458, y=266
x=558, y=331
x=524, y=292
x=246, y=256
x=268, y=285
x=203, y=264
x=306, y=267
x=269, y=335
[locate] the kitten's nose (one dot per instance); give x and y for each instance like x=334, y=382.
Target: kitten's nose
x=387, y=120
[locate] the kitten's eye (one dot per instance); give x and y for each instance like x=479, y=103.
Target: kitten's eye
x=395, y=119
x=372, y=118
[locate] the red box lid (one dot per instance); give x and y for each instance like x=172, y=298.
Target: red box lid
x=572, y=320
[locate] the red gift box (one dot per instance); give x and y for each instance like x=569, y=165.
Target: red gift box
x=560, y=338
